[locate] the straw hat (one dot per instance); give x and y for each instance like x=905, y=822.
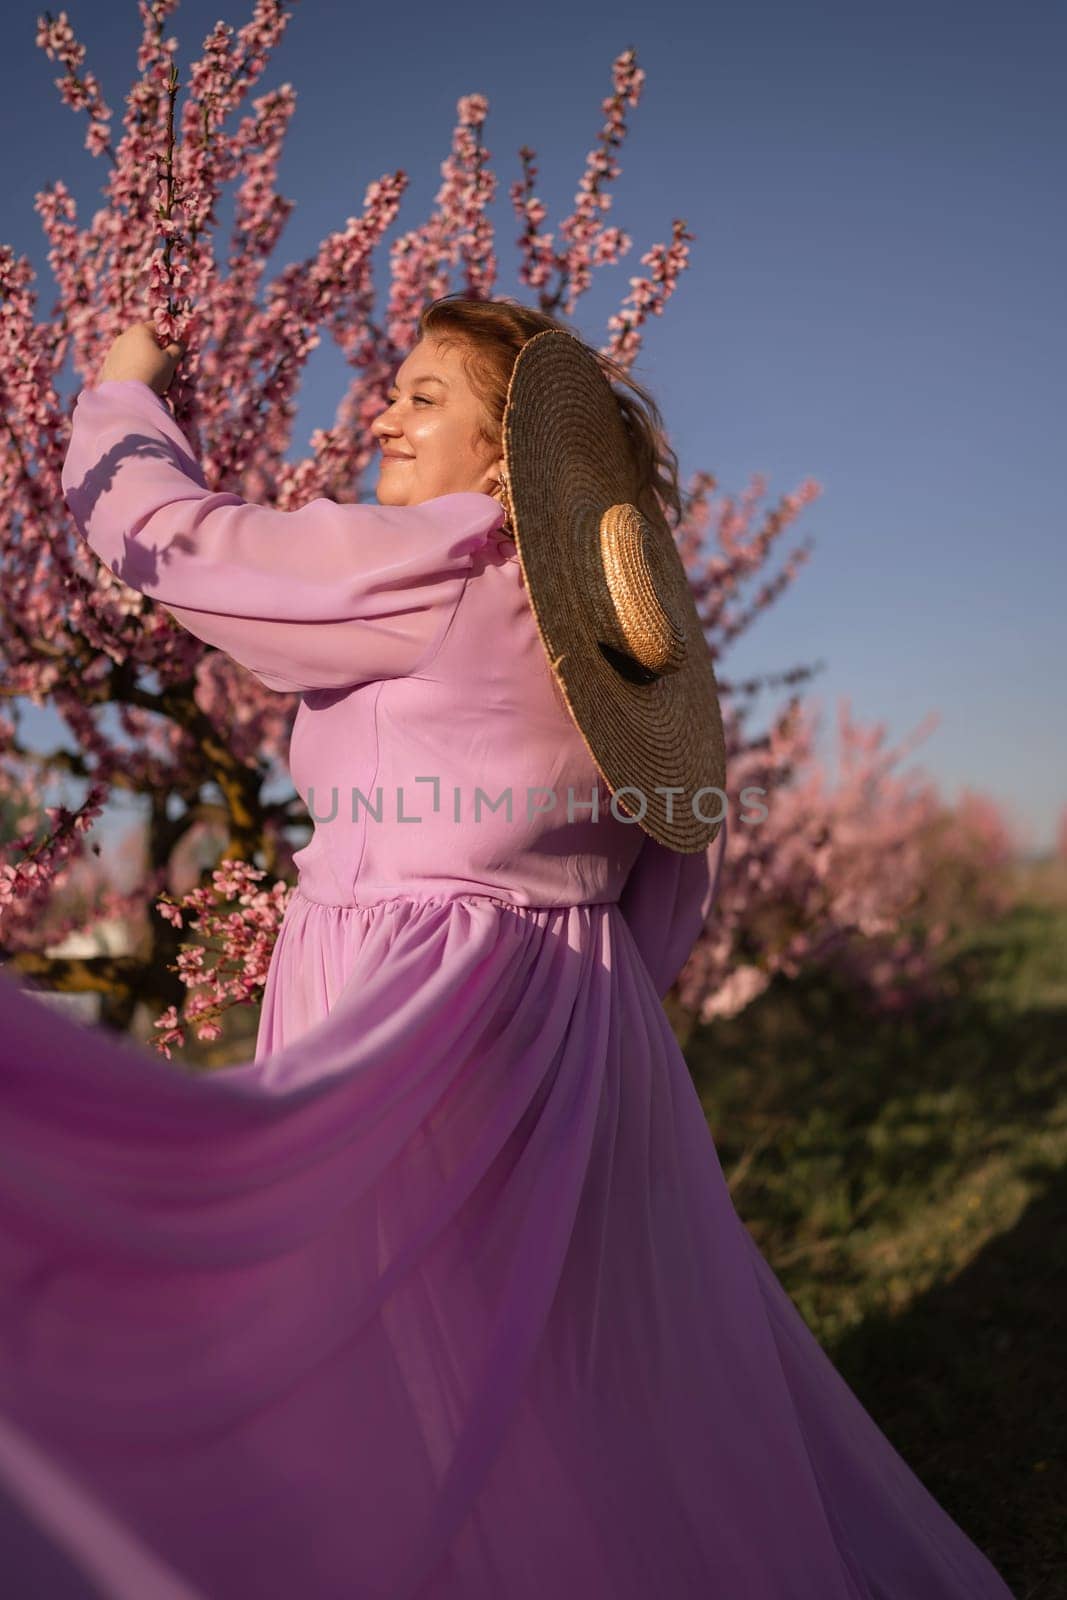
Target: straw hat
x=613, y=604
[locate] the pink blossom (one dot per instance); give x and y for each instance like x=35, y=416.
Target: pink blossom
x=862, y=870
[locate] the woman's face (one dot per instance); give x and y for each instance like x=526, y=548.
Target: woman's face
x=428, y=436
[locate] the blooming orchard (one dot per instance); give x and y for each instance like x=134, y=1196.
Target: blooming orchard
x=833, y=873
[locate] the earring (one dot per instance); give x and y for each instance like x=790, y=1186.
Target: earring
x=505, y=500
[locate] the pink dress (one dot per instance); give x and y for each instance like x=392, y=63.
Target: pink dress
x=443, y=1296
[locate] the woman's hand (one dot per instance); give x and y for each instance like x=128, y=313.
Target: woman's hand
x=137, y=353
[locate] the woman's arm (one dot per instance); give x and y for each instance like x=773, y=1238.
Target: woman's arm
x=322, y=597
x=667, y=899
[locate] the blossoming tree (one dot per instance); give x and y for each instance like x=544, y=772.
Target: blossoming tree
x=153, y=712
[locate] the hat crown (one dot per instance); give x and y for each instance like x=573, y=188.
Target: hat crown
x=645, y=625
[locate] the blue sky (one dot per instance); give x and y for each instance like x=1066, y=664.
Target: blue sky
x=875, y=297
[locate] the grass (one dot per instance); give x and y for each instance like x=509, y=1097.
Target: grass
x=907, y=1181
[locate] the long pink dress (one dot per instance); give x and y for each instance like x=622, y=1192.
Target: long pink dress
x=443, y=1296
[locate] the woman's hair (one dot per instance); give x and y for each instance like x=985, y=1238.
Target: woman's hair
x=490, y=334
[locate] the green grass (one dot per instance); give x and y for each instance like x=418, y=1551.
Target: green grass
x=907, y=1181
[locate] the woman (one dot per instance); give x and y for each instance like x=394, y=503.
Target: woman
x=443, y=1296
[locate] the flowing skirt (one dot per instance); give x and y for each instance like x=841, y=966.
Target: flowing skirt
x=441, y=1297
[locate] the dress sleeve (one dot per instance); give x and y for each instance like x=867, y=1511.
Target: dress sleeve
x=666, y=901
x=323, y=597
